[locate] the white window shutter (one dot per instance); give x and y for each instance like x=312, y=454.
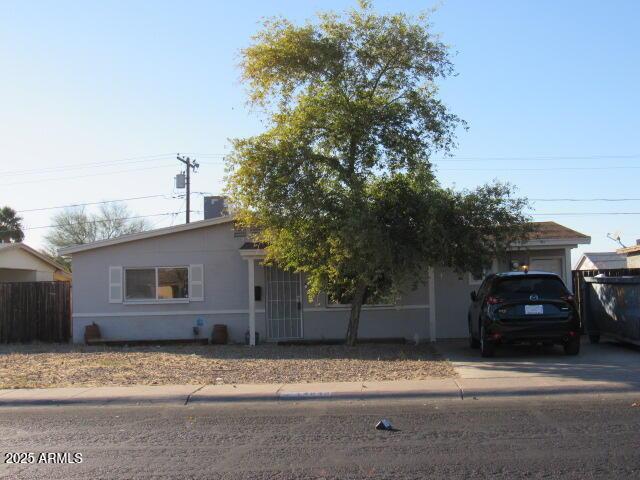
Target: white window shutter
x=115, y=284
x=196, y=283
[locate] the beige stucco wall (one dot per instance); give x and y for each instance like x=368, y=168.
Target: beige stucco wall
x=19, y=266
x=633, y=261
x=13, y=275
x=17, y=258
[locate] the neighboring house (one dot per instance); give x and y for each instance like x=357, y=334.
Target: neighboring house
x=600, y=261
x=608, y=264
x=632, y=254
x=21, y=263
x=160, y=284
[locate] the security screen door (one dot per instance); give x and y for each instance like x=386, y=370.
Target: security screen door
x=284, y=304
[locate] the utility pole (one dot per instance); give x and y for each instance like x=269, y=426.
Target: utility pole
x=190, y=164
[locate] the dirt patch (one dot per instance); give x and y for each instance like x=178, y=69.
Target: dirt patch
x=43, y=365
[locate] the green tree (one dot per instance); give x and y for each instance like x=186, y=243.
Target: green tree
x=10, y=226
x=75, y=226
x=340, y=185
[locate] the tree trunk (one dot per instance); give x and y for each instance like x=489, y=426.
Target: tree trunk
x=354, y=317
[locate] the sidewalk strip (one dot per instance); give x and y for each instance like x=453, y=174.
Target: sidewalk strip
x=435, y=389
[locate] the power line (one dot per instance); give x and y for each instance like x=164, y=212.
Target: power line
x=584, y=199
x=175, y=196
x=584, y=213
x=103, y=221
x=544, y=169
x=173, y=217
x=533, y=158
x=152, y=158
x=184, y=204
x=72, y=205
x=105, y=163
x=200, y=211
x=510, y=170
x=84, y=176
x=206, y=154
x=149, y=158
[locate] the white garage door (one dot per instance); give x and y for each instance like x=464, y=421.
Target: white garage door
x=553, y=265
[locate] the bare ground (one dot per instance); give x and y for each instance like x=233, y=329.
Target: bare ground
x=61, y=365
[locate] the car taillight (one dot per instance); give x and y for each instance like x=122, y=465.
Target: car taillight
x=491, y=300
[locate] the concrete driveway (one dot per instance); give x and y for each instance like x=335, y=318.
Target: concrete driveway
x=606, y=362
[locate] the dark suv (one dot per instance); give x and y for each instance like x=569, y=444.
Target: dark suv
x=521, y=307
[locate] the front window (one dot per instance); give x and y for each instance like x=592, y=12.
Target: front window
x=157, y=283
x=140, y=284
x=173, y=282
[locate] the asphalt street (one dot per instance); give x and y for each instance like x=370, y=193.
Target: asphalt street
x=520, y=438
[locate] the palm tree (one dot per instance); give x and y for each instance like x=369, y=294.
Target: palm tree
x=10, y=226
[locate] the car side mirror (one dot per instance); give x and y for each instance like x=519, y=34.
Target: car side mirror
x=474, y=296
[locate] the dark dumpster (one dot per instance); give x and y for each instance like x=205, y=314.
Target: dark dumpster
x=612, y=308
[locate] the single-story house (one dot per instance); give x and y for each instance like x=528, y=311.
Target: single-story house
x=598, y=261
x=178, y=282
x=21, y=263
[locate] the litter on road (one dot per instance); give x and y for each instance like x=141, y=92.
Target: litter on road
x=384, y=424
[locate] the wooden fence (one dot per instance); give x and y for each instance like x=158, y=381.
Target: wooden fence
x=32, y=311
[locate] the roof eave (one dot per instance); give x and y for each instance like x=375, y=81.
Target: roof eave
x=38, y=255
x=580, y=262
x=628, y=250
x=566, y=242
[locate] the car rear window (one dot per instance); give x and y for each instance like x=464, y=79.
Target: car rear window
x=524, y=287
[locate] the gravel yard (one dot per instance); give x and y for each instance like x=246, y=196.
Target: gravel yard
x=45, y=365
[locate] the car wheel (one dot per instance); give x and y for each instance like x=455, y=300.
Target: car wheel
x=473, y=341
x=487, y=347
x=572, y=347
x=594, y=338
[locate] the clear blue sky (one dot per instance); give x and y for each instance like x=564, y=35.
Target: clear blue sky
x=544, y=85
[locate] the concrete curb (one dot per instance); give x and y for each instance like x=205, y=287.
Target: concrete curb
x=436, y=389
x=540, y=386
